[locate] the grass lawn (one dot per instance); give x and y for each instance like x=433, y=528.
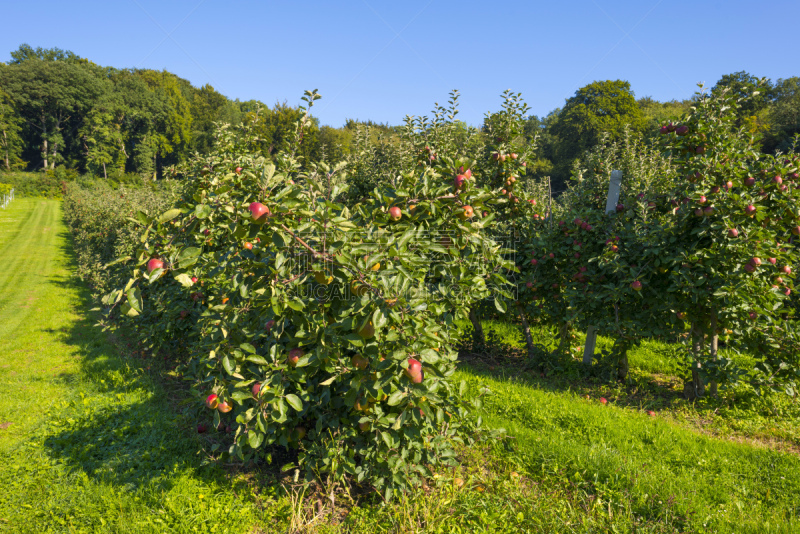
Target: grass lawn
x=93, y=438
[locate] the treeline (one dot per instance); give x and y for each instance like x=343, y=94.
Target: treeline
x=58, y=109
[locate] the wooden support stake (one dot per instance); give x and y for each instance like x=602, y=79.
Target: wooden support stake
x=611, y=206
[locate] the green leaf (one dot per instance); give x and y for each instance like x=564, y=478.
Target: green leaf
x=329, y=381
x=295, y=402
x=229, y=364
x=202, y=211
x=260, y=360
x=500, y=305
x=396, y=397
x=254, y=438
x=135, y=299
x=169, y=215
x=184, y=279
x=247, y=347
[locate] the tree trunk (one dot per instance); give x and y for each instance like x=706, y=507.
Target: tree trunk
x=105, y=175
x=477, y=330
x=697, y=348
x=45, y=154
x=714, y=350
x=5, y=144
x=55, y=153
x=527, y=329
x=622, y=366
x=589, y=346
x=563, y=337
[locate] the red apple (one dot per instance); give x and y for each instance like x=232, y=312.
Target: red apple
x=755, y=262
x=773, y=261
x=529, y=285
x=459, y=181
x=294, y=356
x=620, y=207
x=651, y=413
x=750, y=209
x=359, y=362
x=194, y=279
x=202, y=428
x=753, y=315
x=395, y=213
x=154, y=264
x=749, y=181
x=238, y=170
x=534, y=261
x=259, y=212
x=728, y=185
x=708, y=211
x=777, y=180
x=212, y=401
x=256, y=389
x=636, y=285
x=603, y=400
x=224, y=407
x=749, y=268
x=733, y=232
x=248, y=245
x=682, y=130
x=787, y=269
x=414, y=370
x=466, y=213
x=552, y=255
x=269, y=324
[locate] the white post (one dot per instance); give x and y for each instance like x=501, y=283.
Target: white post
x=611, y=206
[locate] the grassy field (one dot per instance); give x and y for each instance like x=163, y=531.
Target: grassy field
x=94, y=438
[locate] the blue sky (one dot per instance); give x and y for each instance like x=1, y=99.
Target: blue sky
x=383, y=60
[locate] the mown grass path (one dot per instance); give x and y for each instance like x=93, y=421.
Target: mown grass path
x=87, y=443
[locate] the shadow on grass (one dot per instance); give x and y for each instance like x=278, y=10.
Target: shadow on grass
x=137, y=426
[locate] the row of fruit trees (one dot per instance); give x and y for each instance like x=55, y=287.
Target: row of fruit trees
x=330, y=326
x=6, y=195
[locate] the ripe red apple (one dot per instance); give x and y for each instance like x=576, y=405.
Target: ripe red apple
x=681, y=316
x=682, y=130
x=733, y=232
x=755, y=262
x=194, y=279
x=212, y=401
x=651, y=413
x=787, y=292
x=259, y=212
x=749, y=181
x=256, y=389
x=620, y=207
x=715, y=190
x=663, y=130
x=552, y=255
x=202, y=428
x=206, y=231
x=466, y=213
x=529, y=285
x=749, y=268
x=728, y=185
x=703, y=199
x=359, y=362
x=395, y=213
x=773, y=261
x=363, y=426
x=534, y=261
x=459, y=181
x=636, y=285
x=238, y=170
x=248, y=245
x=224, y=407
x=750, y=209
x=698, y=212
x=708, y=211
x=753, y=315
x=154, y=264
x=268, y=325
x=414, y=370
x=294, y=356
x=671, y=127
x=786, y=269
x=603, y=400
x=777, y=180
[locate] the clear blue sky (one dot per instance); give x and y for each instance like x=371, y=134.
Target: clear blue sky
x=382, y=60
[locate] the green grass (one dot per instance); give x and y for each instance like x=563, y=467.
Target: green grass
x=90, y=442
x=96, y=438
